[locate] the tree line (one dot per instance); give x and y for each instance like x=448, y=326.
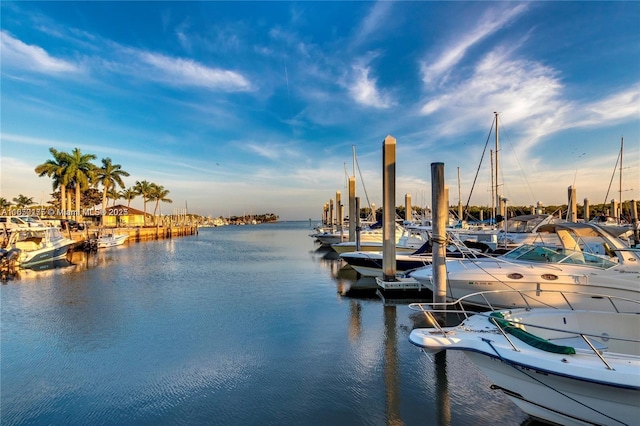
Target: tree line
x=74, y=173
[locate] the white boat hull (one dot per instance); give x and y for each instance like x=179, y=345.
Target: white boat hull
x=543, y=364
x=466, y=277
x=559, y=399
x=39, y=245
x=111, y=240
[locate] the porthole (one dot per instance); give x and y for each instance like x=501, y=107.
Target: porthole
x=515, y=276
x=550, y=277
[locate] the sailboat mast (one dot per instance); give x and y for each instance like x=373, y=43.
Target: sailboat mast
x=493, y=188
x=459, y=198
x=497, y=194
x=619, y=212
x=353, y=150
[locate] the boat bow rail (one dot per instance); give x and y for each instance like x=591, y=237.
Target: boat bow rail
x=556, y=340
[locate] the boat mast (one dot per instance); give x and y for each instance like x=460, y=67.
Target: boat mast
x=497, y=194
x=493, y=189
x=619, y=212
x=459, y=199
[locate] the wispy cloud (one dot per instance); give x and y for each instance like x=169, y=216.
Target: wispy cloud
x=372, y=22
x=272, y=151
x=519, y=88
x=363, y=88
x=186, y=72
x=18, y=54
x=452, y=54
x=618, y=106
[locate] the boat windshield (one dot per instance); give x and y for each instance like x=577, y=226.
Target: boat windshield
x=544, y=254
x=515, y=225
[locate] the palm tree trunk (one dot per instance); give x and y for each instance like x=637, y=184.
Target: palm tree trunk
x=63, y=199
x=155, y=218
x=104, y=205
x=145, y=209
x=78, y=210
x=69, y=203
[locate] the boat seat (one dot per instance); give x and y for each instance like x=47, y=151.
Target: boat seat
x=578, y=342
x=27, y=245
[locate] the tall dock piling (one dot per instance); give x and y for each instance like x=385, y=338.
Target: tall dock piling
x=572, y=213
x=585, y=214
x=389, y=208
x=440, y=214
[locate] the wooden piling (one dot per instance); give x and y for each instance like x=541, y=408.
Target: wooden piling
x=357, y=224
x=440, y=215
x=572, y=213
x=389, y=208
x=586, y=214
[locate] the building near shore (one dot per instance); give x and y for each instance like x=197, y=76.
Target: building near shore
x=121, y=216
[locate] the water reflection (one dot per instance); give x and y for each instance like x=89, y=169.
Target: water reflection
x=391, y=376
x=234, y=326
x=443, y=406
x=475, y=400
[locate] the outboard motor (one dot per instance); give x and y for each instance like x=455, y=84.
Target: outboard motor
x=8, y=260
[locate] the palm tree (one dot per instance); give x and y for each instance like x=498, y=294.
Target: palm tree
x=23, y=201
x=56, y=169
x=129, y=194
x=4, y=203
x=114, y=195
x=143, y=188
x=158, y=193
x=79, y=171
x=109, y=175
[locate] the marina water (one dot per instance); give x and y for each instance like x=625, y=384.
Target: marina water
x=238, y=325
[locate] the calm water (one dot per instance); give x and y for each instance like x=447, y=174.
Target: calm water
x=244, y=325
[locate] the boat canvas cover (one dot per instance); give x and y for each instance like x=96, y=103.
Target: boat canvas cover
x=528, y=338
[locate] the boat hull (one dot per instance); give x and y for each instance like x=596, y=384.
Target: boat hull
x=466, y=277
x=559, y=399
x=370, y=265
x=541, y=360
x=112, y=241
x=38, y=257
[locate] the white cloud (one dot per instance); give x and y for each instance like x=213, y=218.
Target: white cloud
x=520, y=89
x=179, y=72
x=619, y=106
x=364, y=91
x=17, y=54
x=372, y=22
x=492, y=21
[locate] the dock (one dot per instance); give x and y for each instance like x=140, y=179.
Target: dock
x=136, y=234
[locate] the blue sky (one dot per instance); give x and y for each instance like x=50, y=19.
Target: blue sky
x=240, y=107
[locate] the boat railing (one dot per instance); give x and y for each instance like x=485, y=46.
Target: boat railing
x=530, y=298
x=434, y=313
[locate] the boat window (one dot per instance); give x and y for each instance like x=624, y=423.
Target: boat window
x=523, y=225
x=535, y=254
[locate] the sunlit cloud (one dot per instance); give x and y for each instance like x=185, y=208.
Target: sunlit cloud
x=18, y=54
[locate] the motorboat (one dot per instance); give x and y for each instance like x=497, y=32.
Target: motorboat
x=38, y=245
x=369, y=263
x=524, y=229
x=561, y=365
x=412, y=238
x=111, y=240
x=367, y=234
x=588, y=258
